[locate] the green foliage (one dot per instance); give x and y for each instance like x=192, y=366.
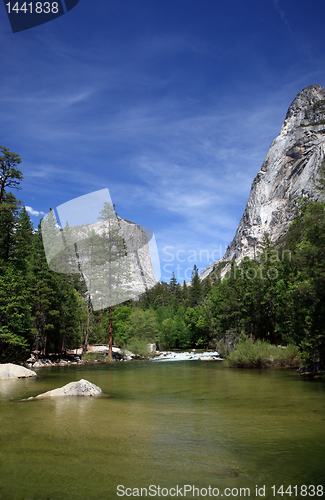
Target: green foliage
x=138, y=346
x=95, y=356
x=10, y=176
x=320, y=181
x=12, y=346
x=198, y=326
x=15, y=318
x=174, y=332
x=120, y=322
x=196, y=289
x=262, y=354
x=279, y=296
x=142, y=325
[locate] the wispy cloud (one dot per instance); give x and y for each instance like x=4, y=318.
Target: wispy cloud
x=175, y=123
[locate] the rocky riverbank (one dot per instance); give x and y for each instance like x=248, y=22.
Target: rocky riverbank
x=94, y=354
x=99, y=354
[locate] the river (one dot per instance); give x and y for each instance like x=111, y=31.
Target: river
x=162, y=425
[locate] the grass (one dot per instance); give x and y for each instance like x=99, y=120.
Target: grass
x=261, y=354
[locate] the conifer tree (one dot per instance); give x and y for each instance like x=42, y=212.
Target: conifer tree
x=185, y=294
x=44, y=296
x=269, y=284
x=15, y=317
x=22, y=241
x=196, y=288
x=10, y=176
x=8, y=216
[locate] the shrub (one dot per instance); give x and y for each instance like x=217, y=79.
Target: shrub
x=138, y=346
x=261, y=354
x=95, y=356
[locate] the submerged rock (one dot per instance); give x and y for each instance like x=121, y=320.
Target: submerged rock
x=81, y=388
x=9, y=370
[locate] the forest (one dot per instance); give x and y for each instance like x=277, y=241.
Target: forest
x=277, y=297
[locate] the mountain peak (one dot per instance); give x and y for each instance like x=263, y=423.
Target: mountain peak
x=308, y=102
x=288, y=170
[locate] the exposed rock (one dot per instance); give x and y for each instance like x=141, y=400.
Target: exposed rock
x=81, y=388
x=117, y=353
x=9, y=370
x=133, y=271
x=311, y=368
x=52, y=360
x=137, y=242
x=286, y=173
x=136, y=239
x=152, y=348
x=185, y=356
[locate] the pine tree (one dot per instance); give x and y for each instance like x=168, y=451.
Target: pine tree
x=22, y=241
x=173, y=284
x=269, y=285
x=196, y=288
x=185, y=294
x=44, y=296
x=15, y=317
x=10, y=176
x=8, y=216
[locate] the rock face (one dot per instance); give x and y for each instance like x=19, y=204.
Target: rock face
x=81, y=388
x=136, y=239
x=10, y=370
x=286, y=173
x=116, y=268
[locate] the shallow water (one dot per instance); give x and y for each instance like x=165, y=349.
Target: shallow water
x=162, y=424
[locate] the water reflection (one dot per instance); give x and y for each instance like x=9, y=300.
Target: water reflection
x=160, y=423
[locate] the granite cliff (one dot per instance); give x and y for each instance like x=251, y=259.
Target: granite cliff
x=287, y=172
x=113, y=256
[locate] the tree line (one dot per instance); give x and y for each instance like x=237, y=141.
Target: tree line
x=277, y=296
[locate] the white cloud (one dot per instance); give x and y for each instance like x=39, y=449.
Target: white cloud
x=34, y=212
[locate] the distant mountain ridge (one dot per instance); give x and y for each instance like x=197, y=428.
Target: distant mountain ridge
x=287, y=172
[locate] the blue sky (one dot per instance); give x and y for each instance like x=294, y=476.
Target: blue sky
x=171, y=105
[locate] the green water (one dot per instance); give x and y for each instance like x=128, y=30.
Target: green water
x=161, y=424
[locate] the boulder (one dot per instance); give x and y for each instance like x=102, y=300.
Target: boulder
x=9, y=370
x=81, y=388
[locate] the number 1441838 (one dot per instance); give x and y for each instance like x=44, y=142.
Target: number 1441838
x=33, y=7
x=302, y=491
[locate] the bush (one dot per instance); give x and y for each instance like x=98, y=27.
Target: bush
x=95, y=356
x=138, y=346
x=261, y=354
